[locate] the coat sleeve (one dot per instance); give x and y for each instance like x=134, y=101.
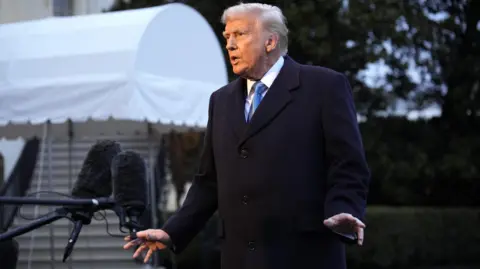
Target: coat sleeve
x=348, y=172
x=201, y=200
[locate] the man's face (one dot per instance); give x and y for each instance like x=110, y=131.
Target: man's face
x=245, y=43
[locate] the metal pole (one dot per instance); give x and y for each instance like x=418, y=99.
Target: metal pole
x=151, y=176
x=70, y=141
x=50, y=188
x=39, y=185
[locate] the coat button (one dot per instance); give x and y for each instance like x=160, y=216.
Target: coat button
x=244, y=153
x=251, y=245
x=245, y=199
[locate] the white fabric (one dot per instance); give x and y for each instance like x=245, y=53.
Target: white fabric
x=156, y=64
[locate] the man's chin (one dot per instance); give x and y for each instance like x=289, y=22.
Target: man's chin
x=239, y=71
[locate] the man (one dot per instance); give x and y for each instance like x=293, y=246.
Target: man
x=283, y=159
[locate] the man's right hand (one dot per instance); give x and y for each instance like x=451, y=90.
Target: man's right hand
x=151, y=239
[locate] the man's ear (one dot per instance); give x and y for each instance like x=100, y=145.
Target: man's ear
x=271, y=43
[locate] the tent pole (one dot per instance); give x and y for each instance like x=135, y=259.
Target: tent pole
x=50, y=188
x=39, y=185
x=151, y=176
x=70, y=166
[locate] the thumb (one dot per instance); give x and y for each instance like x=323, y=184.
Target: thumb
x=144, y=234
x=330, y=222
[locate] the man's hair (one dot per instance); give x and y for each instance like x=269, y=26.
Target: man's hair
x=270, y=16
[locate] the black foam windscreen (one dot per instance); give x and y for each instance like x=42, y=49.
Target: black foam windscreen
x=95, y=179
x=129, y=178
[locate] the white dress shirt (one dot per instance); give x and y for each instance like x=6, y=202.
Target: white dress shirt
x=267, y=79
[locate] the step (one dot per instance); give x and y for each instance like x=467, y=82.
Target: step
x=111, y=219
x=103, y=264
x=85, y=145
x=59, y=191
x=57, y=183
x=29, y=210
x=64, y=162
x=94, y=229
x=83, y=241
x=87, y=230
x=45, y=187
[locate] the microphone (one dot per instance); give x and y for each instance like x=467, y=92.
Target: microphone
x=94, y=181
x=129, y=188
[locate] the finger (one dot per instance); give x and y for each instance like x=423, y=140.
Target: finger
x=139, y=250
x=336, y=219
x=133, y=243
x=342, y=216
x=360, y=223
x=330, y=222
x=127, y=238
x=360, y=236
x=160, y=245
x=143, y=234
x=147, y=257
x=129, y=245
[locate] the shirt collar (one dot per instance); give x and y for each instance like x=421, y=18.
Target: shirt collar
x=270, y=76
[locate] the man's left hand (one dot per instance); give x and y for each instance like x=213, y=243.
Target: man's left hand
x=346, y=224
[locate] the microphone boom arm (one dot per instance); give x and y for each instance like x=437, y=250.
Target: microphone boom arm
x=47, y=219
x=102, y=203
x=63, y=212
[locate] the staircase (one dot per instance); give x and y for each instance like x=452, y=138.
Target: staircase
x=95, y=249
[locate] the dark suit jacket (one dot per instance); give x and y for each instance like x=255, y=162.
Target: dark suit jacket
x=299, y=161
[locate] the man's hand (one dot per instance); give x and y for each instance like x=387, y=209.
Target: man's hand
x=150, y=239
x=346, y=224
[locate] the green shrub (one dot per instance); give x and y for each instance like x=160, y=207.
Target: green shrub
x=421, y=163
x=407, y=237
x=395, y=237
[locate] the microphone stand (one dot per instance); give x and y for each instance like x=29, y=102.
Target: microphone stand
x=76, y=205
x=44, y=220
x=101, y=203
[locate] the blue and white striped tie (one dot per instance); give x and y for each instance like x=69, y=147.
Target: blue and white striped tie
x=258, y=89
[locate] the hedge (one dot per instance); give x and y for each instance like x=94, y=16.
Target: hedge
x=395, y=237
x=421, y=163
x=413, y=163
x=409, y=236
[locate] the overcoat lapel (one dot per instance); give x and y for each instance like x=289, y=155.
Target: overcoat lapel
x=237, y=106
x=276, y=99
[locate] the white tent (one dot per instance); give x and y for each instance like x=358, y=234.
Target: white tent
x=127, y=73
x=108, y=73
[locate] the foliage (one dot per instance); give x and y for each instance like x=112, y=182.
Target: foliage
x=450, y=32
x=438, y=38
x=395, y=237
x=409, y=237
x=322, y=33
x=412, y=163
x=421, y=163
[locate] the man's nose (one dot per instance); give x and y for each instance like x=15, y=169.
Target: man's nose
x=231, y=44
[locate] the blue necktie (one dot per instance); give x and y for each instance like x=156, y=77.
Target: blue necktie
x=258, y=89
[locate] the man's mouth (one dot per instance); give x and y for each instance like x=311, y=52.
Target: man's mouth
x=234, y=59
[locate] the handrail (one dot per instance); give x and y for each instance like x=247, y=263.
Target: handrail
x=18, y=181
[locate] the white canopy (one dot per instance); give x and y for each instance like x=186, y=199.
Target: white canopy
x=108, y=73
